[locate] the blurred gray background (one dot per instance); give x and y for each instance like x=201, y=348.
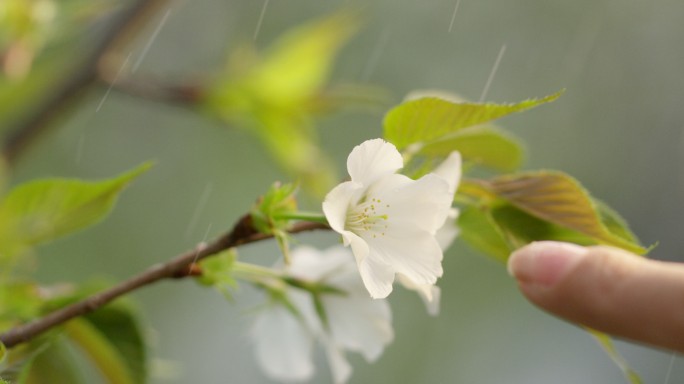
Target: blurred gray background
x=618, y=129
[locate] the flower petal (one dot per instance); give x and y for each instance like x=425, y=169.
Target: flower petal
x=414, y=253
x=450, y=171
x=429, y=293
x=432, y=305
x=448, y=232
x=283, y=346
x=377, y=275
x=337, y=203
x=373, y=159
x=361, y=324
x=359, y=246
x=339, y=366
x=423, y=203
x=357, y=322
x=311, y=264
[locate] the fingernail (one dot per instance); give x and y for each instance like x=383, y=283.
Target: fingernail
x=544, y=263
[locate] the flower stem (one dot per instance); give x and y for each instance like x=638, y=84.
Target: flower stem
x=248, y=271
x=283, y=244
x=315, y=217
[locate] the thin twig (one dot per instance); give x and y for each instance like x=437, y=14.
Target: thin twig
x=120, y=30
x=116, y=77
x=184, y=95
x=181, y=266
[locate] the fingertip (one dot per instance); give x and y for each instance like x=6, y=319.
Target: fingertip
x=544, y=263
x=606, y=289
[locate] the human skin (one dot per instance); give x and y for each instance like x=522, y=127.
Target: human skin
x=606, y=289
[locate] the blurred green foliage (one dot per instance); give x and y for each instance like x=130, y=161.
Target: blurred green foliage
x=275, y=95
x=41, y=211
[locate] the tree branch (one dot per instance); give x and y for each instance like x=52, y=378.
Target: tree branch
x=185, y=95
x=181, y=266
x=120, y=30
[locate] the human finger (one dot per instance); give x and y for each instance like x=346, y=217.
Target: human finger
x=606, y=289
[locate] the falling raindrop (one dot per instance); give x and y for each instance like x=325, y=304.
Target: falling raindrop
x=374, y=58
x=492, y=73
x=261, y=19
x=150, y=41
x=453, y=16
x=669, y=368
x=111, y=85
x=578, y=52
x=204, y=197
x=202, y=243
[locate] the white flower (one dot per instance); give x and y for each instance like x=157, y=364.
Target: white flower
x=447, y=234
x=430, y=293
x=389, y=220
x=282, y=344
x=284, y=341
x=450, y=171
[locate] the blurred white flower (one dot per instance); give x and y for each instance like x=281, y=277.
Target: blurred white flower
x=450, y=171
x=345, y=321
x=390, y=220
x=429, y=293
x=282, y=343
x=447, y=234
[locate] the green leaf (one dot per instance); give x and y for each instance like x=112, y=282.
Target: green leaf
x=287, y=76
x=65, y=45
x=425, y=120
x=559, y=199
x=279, y=199
x=481, y=145
x=608, y=346
x=3, y=355
x=17, y=97
x=99, y=351
x=320, y=309
x=274, y=96
x=16, y=364
x=42, y=210
x=20, y=301
x=4, y=173
x=54, y=364
x=112, y=340
x=481, y=232
x=291, y=140
x=119, y=323
x=499, y=230
x=299, y=62
x=614, y=222
x=217, y=272
x=521, y=228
